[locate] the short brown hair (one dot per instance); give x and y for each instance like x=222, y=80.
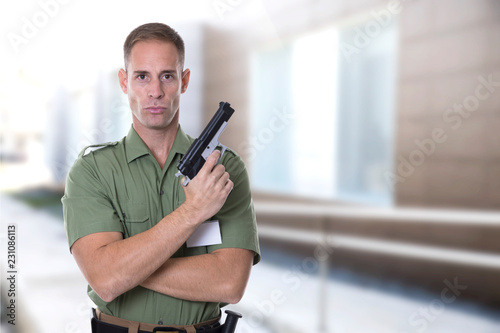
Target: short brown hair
x=154, y=31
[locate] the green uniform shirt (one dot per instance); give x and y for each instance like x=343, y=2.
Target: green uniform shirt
x=121, y=187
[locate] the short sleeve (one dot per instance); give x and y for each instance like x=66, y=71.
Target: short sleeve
x=86, y=207
x=237, y=217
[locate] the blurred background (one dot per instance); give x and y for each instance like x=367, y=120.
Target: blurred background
x=370, y=130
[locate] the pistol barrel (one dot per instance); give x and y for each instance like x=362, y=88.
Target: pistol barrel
x=204, y=145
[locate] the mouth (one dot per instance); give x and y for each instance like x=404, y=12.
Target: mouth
x=155, y=109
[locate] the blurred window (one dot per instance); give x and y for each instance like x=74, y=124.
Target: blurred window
x=323, y=115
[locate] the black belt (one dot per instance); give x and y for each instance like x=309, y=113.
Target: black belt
x=99, y=326
x=102, y=327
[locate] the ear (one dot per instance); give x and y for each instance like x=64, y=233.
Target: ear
x=185, y=80
x=122, y=78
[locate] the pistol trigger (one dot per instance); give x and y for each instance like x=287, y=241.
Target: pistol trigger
x=221, y=153
x=186, y=178
x=186, y=181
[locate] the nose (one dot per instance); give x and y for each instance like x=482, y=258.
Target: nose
x=155, y=89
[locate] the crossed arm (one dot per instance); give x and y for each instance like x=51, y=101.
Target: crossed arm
x=113, y=265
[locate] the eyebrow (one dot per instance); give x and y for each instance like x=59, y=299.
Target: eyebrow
x=166, y=71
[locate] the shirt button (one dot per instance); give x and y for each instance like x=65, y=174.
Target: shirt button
x=161, y=192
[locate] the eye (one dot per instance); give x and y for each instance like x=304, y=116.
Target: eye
x=167, y=77
x=141, y=77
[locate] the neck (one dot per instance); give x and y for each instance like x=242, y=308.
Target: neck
x=159, y=141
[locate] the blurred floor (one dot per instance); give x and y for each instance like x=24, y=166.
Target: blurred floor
x=283, y=294
x=51, y=294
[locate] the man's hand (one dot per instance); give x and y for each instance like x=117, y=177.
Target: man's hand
x=208, y=191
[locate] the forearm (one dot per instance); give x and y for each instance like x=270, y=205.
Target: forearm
x=123, y=264
x=220, y=276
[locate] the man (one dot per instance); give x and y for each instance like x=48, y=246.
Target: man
x=128, y=217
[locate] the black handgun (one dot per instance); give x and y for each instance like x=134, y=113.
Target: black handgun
x=197, y=154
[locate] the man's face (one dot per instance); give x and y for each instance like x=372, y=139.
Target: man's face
x=153, y=82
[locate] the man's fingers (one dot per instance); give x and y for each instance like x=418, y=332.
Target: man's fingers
x=229, y=186
x=215, y=156
x=208, y=191
x=211, y=162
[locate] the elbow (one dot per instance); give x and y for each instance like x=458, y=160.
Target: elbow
x=106, y=296
x=234, y=292
x=234, y=299
x=105, y=289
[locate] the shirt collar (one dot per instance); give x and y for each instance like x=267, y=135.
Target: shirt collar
x=182, y=142
x=135, y=147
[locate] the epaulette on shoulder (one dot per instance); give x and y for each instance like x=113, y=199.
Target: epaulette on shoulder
x=92, y=148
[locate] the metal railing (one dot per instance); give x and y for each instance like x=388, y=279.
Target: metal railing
x=330, y=241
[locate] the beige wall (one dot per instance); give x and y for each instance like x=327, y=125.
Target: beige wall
x=447, y=49
x=227, y=79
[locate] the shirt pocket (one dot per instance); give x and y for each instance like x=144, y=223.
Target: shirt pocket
x=135, y=218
